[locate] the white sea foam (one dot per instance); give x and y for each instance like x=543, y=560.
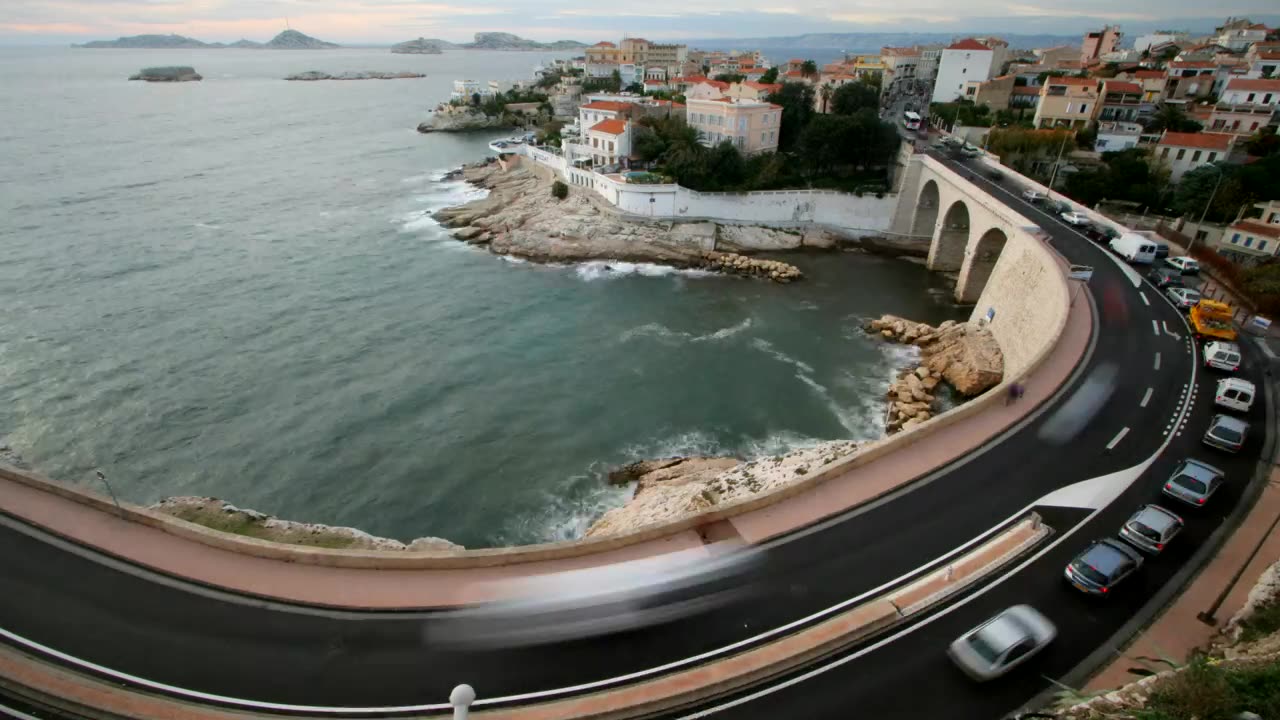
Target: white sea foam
x=514, y=260
x=665, y=333
x=207, y=226
x=609, y=269
x=416, y=221
x=767, y=348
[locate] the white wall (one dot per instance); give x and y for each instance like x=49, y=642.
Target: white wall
x=957, y=67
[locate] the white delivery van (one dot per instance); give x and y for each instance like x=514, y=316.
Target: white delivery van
x=1134, y=248
x=1222, y=355
x=1235, y=394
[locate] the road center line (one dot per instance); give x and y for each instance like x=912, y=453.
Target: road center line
x=1145, y=398
x=1157, y=361
x=1155, y=328
x=1144, y=299
x=1120, y=435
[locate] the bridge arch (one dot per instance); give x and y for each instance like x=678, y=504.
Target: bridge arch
x=947, y=250
x=926, y=215
x=980, y=260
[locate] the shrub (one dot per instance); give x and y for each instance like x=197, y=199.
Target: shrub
x=559, y=190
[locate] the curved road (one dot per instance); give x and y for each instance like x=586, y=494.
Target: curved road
x=134, y=621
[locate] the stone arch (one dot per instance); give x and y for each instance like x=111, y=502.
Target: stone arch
x=979, y=261
x=946, y=252
x=926, y=210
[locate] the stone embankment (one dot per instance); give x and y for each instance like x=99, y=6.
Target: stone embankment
x=461, y=118
x=520, y=218
x=964, y=355
x=670, y=489
x=313, y=75
x=218, y=515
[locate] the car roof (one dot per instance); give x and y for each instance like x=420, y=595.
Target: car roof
x=1105, y=557
x=1200, y=470
x=1230, y=422
x=1003, y=632
x=1156, y=517
x=1223, y=345
x=1237, y=384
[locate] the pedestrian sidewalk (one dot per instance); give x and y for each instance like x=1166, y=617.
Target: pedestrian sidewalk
x=1178, y=631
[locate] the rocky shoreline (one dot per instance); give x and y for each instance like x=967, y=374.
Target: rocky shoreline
x=450, y=118
x=314, y=75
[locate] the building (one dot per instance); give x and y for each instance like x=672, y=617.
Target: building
x=993, y=93
x=1000, y=54
x=1121, y=101
x=1067, y=102
x=1152, y=82
x=1060, y=54
x=900, y=64
x=1239, y=33
x=1144, y=43
x=1024, y=96
x=1114, y=136
x=1246, y=105
x=1262, y=61
x=1184, y=152
x=961, y=61
x=751, y=90
x=597, y=111
x=751, y=126
x=1097, y=44
x=706, y=90
x=1189, y=80
x=609, y=141
x=930, y=60
x=466, y=91
x=1254, y=238
x=603, y=53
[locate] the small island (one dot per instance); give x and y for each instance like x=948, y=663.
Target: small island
x=287, y=40
x=507, y=41
x=421, y=46
x=313, y=75
x=171, y=73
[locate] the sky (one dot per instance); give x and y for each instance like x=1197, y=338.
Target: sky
x=388, y=21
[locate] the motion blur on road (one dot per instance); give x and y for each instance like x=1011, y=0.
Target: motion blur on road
x=602, y=600
x=1084, y=404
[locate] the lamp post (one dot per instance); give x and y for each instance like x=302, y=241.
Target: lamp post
x=1216, y=183
x=1057, y=161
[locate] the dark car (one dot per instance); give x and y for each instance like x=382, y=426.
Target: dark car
x=995, y=174
x=1164, y=277
x=1162, y=250
x=1102, y=565
x=1093, y=232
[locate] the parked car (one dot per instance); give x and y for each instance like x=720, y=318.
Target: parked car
x=1184, y=298
x=1075, y=218
x=1222, y=355
x=1226, y=433
x=1162, y=250
x=1002, y=643
x=1184, y=265
x=1165, y=277
x=1193, y=482
x=1032, y=196
x=1235, y=394
x=1093, y=232
x=995, y=174
x=1102, y=565
x=970, y=151
x=1134, y=248
x=1151, y=528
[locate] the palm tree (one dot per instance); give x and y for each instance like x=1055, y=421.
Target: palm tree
x=808, y=68
x=825, y=92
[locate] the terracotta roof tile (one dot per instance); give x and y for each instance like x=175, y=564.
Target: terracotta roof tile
x=610, y=127
x=1083, y=82
x=1254, y=84
x=1121, y=86
x=967, y=44
x=1258, y=228
x=1208, y=141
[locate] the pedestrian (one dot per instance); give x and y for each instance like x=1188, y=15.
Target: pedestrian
x=1015, y=393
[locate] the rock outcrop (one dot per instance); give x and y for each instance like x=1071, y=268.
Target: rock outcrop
x=964, y=355
x=671, y=489
x=520, y=218
x=173, y=73
x=507, y=41
x=462, y=118
x=421, y=46
x=312, y=75
x=149, y=42
x=294, y=40
x=218, y=515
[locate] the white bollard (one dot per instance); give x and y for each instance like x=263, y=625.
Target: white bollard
x=461, y=699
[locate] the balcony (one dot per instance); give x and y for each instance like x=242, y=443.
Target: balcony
x=1245, y=108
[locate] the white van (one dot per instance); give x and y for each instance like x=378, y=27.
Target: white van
x=1222, y=355
x=1134, y=248
x=1235, y=394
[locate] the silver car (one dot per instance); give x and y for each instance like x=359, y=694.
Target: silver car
x=1151, y=528
x=1002, y=643
x=1193, y=482
x=1184, y=298
x=1226, y=433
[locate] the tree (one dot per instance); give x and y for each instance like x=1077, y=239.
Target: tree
x=559, y=190
x=1171, y=117
x=1086, y=138
x=548, y=80
x=1264, y=143
x=647, y=144
x=725, y=165
x=637, y=88
x=852, y=97
x=1240, y=187
x=824, y=94
x=770, y=76
x=840, y=144
x=549, y=134
x=729, y=77
x=796, y=100
x=475, y=98
x=808, y=68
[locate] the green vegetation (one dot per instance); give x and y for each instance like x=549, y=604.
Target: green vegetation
x=549, y=134
x=548, y=80
x=730, y=77
x=1018, y=147
x=808, y=68
x=637, y=88
x=852, y=97
x=1241, y=186
x=1171, y=117
x=1125, y=175
x=770, y=76
x=497, y=105
x=243, y=524
x=559, y=190
x=963, y=112
x=613, y=83
x=1209, y=690
x=1264, y=143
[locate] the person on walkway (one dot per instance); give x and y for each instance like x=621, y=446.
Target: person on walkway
x=1015, y=393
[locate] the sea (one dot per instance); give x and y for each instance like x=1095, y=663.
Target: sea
x=234, y=288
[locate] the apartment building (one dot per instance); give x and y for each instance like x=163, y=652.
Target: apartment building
x=1143, y=43
x=899, y=64
x=1121, y=101
x=1097, y=44
x=1254, y=238
x=609, y=141
x=1262, y=60
x=749, y=90
x=1067, y=102
x=1024, y=96
x=961, y=62
x=1246, y=106
x=994, y=93
x=1188, y=80
x=1152, y=82
x=1000, y=54
x=1114, y=136
x=751, y=126
x=1239, y=33
x=1184, y=152
x=1054, y=55
x=706, y=90
x=603, y=52
x=465, y=91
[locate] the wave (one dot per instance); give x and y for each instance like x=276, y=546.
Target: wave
x=514, y=260
x=663, y=332
x=207, y=226
x=767, y=348
x=609, y=269
x=415, y=221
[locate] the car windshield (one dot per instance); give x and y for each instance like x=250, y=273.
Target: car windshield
x=1222, y=432
x=1190, y=483
x=1191, y=295
x=983, y=648
x=1144, y=530
x=1088, y=571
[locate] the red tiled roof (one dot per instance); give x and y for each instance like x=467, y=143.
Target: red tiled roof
x=1084, y=82
x=1271, y=55
x=604, y=44
x=796, y=61
x=717, y=84
x=1207, y=141
x=1257, y=26
x=967, y=44
x=610, y=127
x=1121, y=86
x=767, y=87
x=606, y=105
x=1258, y=228
x=654, y=82
x=1254, y=84
x=794, y=73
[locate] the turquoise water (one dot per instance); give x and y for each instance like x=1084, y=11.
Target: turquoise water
x=234, y=288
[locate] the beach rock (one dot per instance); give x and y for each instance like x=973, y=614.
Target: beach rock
x=173, y=73
x=462, y=118
x=433, y=544
x=739, y=238
x=313, y=75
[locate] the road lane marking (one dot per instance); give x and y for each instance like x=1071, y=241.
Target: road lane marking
x=1144, y=298
x=1155, y=328
x=1157, y=361
x=20, y=715
x=1145, y=398
x=1120, y=435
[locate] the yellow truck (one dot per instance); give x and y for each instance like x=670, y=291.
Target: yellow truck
x=1211, y=319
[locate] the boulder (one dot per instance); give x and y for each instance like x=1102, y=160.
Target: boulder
x=930, y=383
x=922, y=372
x=913, y=422
x=433, y=543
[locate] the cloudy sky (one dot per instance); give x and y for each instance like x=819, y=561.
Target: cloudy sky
x=383, y=21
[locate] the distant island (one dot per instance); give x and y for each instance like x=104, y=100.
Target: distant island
x=507, y=41
x=313, y=75
x=172, y=73
x=421, y=46
x=287, y=40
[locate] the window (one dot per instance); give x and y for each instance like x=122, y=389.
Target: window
x=1266, y=99
x=610, y=146
x=1195, y=156
x=1262, y=244
x=1235, y=125
x=1235, y=239
x=1248, y=241
x=964, y=70
x=1250, y=98
x=764, y=138
x=742, y=123
x=1254, y=126
x=1164, y=154
x=1182, y=152
x=1211, y=157
x=1273, y=217
x=1084, y=107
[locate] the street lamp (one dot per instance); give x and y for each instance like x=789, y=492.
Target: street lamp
x=1216, y=183
x=1056, y=163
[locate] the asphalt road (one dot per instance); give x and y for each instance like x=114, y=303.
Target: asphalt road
x=167, y=631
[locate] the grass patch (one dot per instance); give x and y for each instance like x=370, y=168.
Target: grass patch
x=237, y=523
x=1264, y=621
x=1209, y=691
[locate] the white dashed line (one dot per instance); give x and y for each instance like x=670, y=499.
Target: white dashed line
x=1145, y=398
x=1155, y=328
x=1119, y=436
x=1144, y=299
x=1157, y=361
